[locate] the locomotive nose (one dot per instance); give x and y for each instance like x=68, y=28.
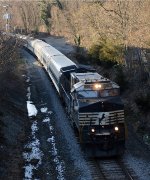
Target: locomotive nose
x=104, y=105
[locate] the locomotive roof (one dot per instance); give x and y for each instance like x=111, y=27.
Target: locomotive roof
x=90, y=77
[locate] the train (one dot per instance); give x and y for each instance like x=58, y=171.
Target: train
x=92, y=101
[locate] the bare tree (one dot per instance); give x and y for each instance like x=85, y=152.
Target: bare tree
x=30, y=17
x=8, y=52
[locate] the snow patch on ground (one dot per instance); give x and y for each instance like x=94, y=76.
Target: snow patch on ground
x=34, y=145
x=58, y=162
x=28, y=171
x=46, y=120
x=34, y=128
x=32, y=111
x=54, y=152
x=50, y=112
x=33, y=156
x=44, y=110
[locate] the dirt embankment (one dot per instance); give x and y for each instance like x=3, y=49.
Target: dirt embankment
x=13, y=122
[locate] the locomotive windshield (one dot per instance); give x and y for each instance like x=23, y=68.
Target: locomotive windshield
x=97, y=93
x=95, y=90
x=87, y=94
x=109, y=92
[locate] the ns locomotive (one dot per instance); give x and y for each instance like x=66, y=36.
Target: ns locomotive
x=93, y=102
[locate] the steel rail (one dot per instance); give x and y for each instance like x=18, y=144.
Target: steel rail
x=125, y=170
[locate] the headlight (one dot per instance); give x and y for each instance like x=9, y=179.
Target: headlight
x=97, y=86
x=92, y=130
x=116, y=128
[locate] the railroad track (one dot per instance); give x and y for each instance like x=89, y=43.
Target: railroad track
x=96, y=171
x=110, y=169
